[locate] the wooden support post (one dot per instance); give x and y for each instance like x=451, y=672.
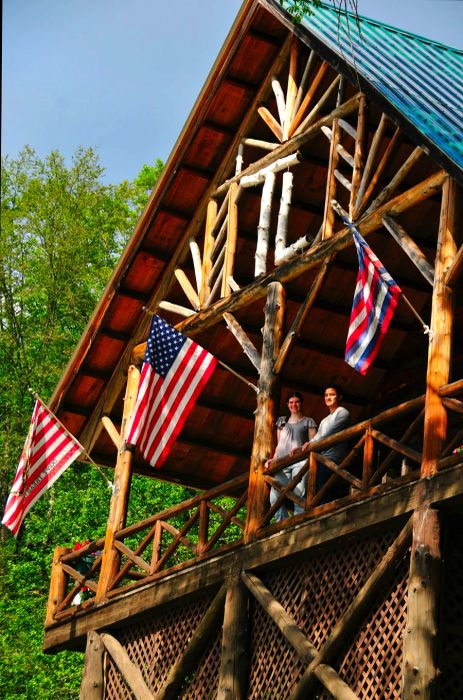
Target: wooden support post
x=355, y=612
x=120, y=497
x=207, y=253
x=440, y=345
x=328, y=217
x=92, y=685
x=196, y=646
x=359, y=155
x=420, y=672
x=368, y=454
x=233, y=674
x=203, y=534
x=58, y=584
x=232, y=235
x=311, y=480
x=267, y=403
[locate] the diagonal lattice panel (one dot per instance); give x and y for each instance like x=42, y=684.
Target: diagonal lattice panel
x=372, y=665
x=155, y=643
x=275, y=667
x=315, y=589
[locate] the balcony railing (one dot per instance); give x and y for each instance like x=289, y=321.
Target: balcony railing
x=215, y=521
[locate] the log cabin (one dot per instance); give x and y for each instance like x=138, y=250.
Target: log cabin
x=301, y=132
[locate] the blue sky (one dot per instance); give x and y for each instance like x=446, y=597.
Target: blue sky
x=123, y=76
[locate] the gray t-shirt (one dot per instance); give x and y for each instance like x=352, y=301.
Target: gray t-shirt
x=334, y=423
x=292, y=435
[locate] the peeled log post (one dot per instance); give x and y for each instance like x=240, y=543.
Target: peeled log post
x=232, y=236
x=92, y=685
x=420, y=672
x=233, y=665
x=283, y=215
x=120, y=497
x=440, y=346
x=267, y=403
x=263, y=229
x=58, y=584
x=209, y=241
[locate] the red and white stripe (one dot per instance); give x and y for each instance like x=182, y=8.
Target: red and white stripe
x=164, y=404
x=49, y=449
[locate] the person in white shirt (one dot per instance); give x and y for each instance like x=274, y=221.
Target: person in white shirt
x=292, y=433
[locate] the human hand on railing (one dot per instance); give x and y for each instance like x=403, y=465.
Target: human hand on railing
x=305, y=446
x=268, y=463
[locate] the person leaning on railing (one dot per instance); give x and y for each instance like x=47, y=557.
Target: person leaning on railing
x=292, y=432
x=338, y=419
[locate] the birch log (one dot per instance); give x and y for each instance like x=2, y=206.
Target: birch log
x=263, y=229
x=283, y=216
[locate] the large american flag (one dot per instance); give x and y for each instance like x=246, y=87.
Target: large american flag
x=375, y=299
x=175, y=369
x=49, y=449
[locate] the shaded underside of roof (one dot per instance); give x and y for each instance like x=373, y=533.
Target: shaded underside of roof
x=421, y=78
x=216, y=441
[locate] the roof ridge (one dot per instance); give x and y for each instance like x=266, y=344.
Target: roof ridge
x=385, y=25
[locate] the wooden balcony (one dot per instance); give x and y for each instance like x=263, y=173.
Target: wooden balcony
x=190, y=545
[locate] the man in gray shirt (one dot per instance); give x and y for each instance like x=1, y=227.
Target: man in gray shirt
x=338, y=419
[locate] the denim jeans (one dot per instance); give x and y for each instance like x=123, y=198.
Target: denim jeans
x=284, y=477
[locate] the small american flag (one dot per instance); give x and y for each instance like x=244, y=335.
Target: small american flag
x=375, y=299
x=49, y=449
x=175, y=370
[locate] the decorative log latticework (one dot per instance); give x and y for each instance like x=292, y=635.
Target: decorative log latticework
x=294, y=609
x=244, y=245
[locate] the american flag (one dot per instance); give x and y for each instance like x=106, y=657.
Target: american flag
x=375, y=299
x=49, y=449
x=175, y=369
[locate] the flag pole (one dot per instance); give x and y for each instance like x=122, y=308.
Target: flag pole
x=345, y=219
x=84, y=451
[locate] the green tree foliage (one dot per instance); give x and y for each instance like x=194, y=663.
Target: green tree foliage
x=62, y=232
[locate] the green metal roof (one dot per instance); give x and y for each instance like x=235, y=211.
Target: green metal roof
x=422, y=79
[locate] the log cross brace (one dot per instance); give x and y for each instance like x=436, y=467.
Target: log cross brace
x=351, y=618
x=325, y=674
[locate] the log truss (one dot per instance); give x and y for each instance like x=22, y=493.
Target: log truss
x=314, y=121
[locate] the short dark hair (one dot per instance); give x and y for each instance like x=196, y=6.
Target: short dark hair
x=337, y=389
x=295, y=395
